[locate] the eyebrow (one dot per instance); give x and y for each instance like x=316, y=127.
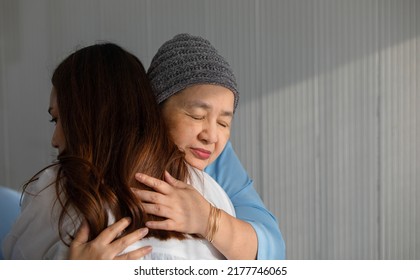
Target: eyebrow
x=49, y=110
x=205, y=106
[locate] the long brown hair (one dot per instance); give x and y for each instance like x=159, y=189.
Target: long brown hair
x=113, y=129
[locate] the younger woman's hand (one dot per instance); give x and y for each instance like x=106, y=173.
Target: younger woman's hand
x=105, y=246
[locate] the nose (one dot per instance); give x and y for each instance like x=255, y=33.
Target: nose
x=208, y=133
x=54, y=142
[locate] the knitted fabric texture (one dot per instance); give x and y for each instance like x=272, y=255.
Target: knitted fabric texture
x=188, y=60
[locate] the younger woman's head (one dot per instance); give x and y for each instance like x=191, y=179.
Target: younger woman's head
x=102, y=94
x=107, y=128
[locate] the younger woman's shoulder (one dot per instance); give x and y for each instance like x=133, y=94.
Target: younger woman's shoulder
x=43, y=182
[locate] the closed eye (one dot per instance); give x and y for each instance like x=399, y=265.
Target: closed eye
x=53, y=120
x=195, y=117
x=222, y=124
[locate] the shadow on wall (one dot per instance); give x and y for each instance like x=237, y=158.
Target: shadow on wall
x=303, y=41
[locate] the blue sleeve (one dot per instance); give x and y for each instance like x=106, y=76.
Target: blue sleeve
x=228, y=171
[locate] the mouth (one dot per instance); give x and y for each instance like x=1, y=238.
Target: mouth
x=201, y=153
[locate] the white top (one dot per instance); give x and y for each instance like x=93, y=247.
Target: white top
x=35, y=234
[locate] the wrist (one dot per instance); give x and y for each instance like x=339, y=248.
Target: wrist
x=213, y=223
x=204, y=220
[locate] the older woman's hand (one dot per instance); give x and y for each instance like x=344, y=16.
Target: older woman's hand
x=105, y=246
x=184, y=208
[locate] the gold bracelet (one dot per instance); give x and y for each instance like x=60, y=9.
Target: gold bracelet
x=217, y=215
x=213, y=223
x=209, y=223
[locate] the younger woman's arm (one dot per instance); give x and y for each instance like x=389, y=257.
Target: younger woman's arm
x=106, y=246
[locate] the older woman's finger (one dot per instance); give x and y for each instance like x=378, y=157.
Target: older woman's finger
x=156, y=184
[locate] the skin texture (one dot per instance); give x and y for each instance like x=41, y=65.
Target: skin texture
x=199, y=121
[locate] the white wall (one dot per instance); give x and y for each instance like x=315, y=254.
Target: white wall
x=327, y=123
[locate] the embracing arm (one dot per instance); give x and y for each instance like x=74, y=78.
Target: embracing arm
x=232, y=177
x=186, y=210
x=235, y=238
x=253, y=220
x=106, y=246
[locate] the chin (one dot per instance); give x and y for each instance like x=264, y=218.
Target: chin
x=199, y=166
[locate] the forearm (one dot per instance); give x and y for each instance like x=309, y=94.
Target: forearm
x=230, y=174
x=250, y=208
x=235, y=239
x=271, y=245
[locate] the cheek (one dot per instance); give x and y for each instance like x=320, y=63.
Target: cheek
x=224, y=136
x=59, y=137
x=221, y=143
x=53, y=139
x=179, y=136
x=182, y=132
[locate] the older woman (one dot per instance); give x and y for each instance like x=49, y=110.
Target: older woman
x=197, y=93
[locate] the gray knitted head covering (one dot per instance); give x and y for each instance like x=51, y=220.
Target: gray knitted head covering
x=187, y=60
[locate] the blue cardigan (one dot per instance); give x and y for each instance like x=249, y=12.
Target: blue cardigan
x=228, y=171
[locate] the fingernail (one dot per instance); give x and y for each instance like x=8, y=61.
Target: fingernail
x=147, y=249
x=143, y=232
x=134, y=190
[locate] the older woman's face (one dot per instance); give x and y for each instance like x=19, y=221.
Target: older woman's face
x=58, y=140
x=199, y=120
